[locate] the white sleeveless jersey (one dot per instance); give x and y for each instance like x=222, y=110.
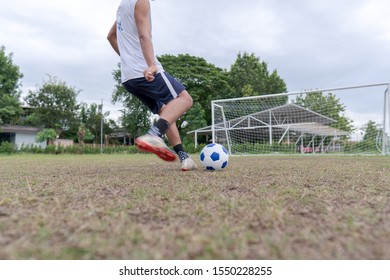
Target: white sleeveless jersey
x=133, y=62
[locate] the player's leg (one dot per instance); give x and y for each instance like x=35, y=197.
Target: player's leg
x=167, y=97
x=167, y=125
x=173, y=136
x=148, y=94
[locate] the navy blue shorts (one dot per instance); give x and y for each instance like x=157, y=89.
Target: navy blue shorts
x=155, y=94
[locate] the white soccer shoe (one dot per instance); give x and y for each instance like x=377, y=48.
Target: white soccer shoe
x=188, y=164
x=154, y=144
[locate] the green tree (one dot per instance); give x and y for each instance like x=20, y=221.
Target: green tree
x=91, y=118
x=250, y=75
x=276, y=84
x=10, y=107
x=204, y=81
x=55, y=105
x=48, y=135
x=371, y=131
x=84, y=135
x=327, y=105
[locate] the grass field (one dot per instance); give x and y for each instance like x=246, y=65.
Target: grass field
x=138, y=207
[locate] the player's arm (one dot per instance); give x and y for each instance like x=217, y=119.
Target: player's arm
x=112, y=38
x=142, y=18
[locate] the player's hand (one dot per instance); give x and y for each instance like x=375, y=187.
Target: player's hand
x=150, y=73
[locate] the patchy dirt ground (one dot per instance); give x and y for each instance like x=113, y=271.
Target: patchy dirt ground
x=138, y=207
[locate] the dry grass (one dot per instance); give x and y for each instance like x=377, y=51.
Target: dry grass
x=138, y=207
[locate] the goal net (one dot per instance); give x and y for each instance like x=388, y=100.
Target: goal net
x=348, y=120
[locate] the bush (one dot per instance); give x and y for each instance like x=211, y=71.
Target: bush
x=8, y=148
x=50, y=149
x=367, y=146
x=257, y=148
x=92, y=149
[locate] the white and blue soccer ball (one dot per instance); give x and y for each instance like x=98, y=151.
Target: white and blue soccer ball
x=214, y=157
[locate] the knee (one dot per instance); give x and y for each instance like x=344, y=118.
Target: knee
x=190, y=101
x=187, y=99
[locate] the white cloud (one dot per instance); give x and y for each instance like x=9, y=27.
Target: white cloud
x=361, y=119
x=371, y=17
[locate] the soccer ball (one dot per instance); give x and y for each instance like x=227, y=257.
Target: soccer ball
x=214, y=157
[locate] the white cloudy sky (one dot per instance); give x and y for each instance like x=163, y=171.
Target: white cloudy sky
x=312, y=44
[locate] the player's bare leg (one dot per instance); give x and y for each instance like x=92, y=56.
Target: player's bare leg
x=173, y=135
x=176, y=108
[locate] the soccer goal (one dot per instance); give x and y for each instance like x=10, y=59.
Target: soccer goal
x=345, y=120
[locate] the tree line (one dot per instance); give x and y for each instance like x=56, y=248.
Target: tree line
x=54, y=105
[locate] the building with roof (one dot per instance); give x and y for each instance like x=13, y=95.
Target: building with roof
x=20, y=135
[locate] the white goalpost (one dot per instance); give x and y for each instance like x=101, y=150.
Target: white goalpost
x=343, y=120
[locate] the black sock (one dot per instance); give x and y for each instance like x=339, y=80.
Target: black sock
x=159, y=128
x=180, y=152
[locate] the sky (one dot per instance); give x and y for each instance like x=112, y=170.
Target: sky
x=312, y=44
